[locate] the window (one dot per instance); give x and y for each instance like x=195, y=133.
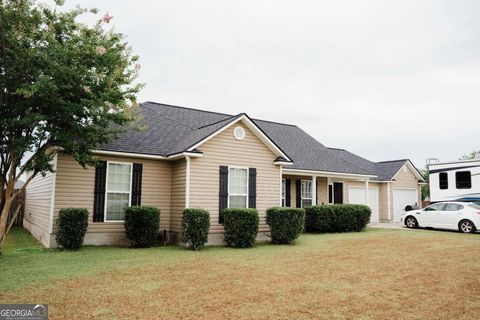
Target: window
x=119, y=177
x=463, y=179
x=443, y=178
x=453, y=207
x=435, y=207
x=284, y=188
x=306, y=193
x=237, y=188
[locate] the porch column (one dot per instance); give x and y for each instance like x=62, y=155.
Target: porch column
x=314, y=190
x=366, y=191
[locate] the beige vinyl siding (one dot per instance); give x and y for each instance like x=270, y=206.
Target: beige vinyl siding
x=178, y=194
x=225, y=150
x=38, y=201
x=75, y=188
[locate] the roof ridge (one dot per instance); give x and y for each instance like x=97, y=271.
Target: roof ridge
x=216, y=122
x=274, y=122
x=219, y=113
x=392, y=161
x=187, y=108
x=337, y=149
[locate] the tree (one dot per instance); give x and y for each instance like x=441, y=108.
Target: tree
x=63, y=85
x=425, y=187
x=469, y=156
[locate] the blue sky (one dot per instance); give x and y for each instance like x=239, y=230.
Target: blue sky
x=383, y=79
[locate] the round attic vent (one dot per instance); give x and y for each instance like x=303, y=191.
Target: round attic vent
x=239, y=133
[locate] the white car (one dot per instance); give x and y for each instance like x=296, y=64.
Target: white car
x=461, y=216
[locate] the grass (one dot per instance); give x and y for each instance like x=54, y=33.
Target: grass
x=377, y=274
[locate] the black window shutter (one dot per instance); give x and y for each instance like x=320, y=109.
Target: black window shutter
x=137, y=184
x=223, y=192
x=99, y=193
x=287, y=193
x=252, y=187
x=299, y=193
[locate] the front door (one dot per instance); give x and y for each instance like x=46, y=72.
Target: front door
x=338, y=192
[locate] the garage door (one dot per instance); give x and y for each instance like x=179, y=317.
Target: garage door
x=356, y=195
x=402, y=198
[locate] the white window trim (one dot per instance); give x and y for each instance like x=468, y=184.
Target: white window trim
x=107, y=191
x=301, y=193
x=237, y=194
x=283, y=193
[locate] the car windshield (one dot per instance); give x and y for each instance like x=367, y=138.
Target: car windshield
x=474, y=205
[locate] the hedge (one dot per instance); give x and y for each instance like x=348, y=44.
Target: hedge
x=241, y=227
x=72, y=225
x=141, y=225
x=286, y=224
x=195, y=226
x=337, y=218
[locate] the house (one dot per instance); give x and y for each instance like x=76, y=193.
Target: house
x=192, y=158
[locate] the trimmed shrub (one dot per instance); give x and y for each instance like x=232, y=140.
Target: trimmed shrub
x=241, y=227
x=286, y=224
x=195, y=226
x=72, y=225
x=141, y=225
x=337, y=218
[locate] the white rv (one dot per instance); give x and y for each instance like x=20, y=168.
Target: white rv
x=455, y=181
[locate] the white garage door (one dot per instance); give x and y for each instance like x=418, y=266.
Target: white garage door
x=356, y=195
x=402, y=198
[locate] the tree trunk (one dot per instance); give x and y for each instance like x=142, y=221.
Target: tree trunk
x=4, y=214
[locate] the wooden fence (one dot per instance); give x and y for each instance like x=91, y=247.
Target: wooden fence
x=19, y=201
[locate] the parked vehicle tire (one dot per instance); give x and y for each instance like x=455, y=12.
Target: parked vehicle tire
x=466, y=226
x=411, y=222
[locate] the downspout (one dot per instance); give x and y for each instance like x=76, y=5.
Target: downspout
x=187, y=183
x=281, y=185
x=388, y=202
x=52, y=196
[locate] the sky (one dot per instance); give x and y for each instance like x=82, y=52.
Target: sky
x=383, y=79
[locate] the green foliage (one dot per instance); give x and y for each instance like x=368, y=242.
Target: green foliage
x=241, y=227
x=425, y=187
x=62, y=84
x=195, y=227
x=337, y=218
x=141, y=225
x=72, y=225
x=286, y=224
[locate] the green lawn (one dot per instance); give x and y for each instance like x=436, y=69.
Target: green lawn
x=376, y=274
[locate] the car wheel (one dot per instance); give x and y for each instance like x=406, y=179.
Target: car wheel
x=466, y=226
x=411, y=222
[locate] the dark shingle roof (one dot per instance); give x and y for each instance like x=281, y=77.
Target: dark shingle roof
x=168, y=130
x=384, y=171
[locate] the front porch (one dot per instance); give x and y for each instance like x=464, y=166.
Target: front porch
x=302, y=189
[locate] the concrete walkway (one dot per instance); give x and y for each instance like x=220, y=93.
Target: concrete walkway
x=388, y=225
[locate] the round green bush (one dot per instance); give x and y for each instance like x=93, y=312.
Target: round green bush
x=286, y=224
x=337, y=218
x=195, y=227
x=241, y=227
x=141, y=225
x=72, y=225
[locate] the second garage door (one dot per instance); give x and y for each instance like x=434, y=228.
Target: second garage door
x=356, y=195
x=402, y=198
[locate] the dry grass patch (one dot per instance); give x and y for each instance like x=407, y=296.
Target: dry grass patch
x=379, y=274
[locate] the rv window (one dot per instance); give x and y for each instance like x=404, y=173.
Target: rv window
x=464, y=179
x=443, y=177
